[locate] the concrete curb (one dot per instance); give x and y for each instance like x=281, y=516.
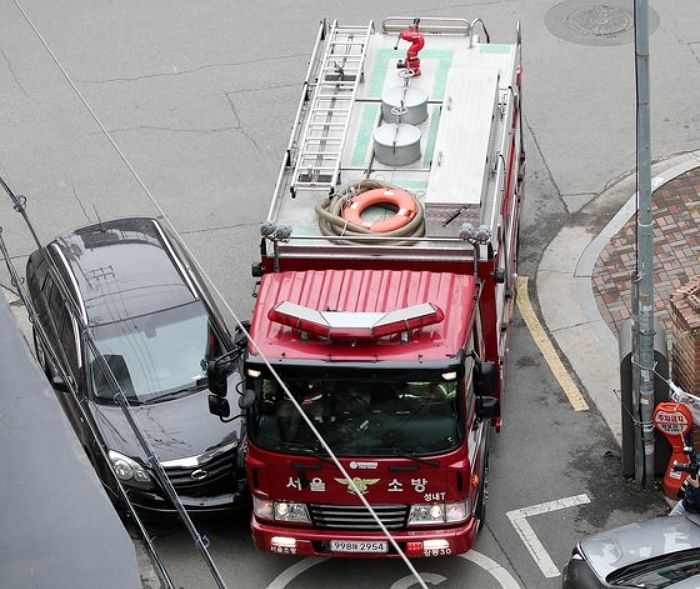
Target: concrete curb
x=566, y=299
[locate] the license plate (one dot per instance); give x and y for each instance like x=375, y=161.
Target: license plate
x=357, y=546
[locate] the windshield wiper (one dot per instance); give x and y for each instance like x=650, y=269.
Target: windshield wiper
x=318, y=452
x=177, y=393
x=409, y=455
x=315, y=452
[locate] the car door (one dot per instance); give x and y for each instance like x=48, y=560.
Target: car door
x=36, y=273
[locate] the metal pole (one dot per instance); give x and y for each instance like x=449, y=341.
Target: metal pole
x=636, y=407
x=645, y=239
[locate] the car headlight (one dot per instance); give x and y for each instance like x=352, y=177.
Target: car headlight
x=128, y=470
x=281, y=511
x=425, y=514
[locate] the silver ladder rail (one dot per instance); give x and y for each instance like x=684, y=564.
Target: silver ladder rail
x=317, y=164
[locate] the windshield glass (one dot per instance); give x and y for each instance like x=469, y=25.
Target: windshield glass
x=359, y=417
x=155, y=356
x=660, y=572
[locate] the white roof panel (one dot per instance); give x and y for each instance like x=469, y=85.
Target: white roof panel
x=464, y=142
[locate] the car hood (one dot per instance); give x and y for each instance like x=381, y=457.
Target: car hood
x=619, y=547
x=178, y=428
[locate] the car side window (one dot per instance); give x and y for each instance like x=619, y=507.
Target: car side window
x=67, y=341
x=51, y=312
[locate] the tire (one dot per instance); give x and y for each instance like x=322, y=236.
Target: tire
x=480, y=509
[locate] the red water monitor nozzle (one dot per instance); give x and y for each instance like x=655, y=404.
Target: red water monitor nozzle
x=417, y=41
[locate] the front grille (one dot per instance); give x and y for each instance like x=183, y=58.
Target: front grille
x=219, y=479
x=357, y=517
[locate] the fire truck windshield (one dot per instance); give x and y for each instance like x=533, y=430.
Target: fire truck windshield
x=359, y=417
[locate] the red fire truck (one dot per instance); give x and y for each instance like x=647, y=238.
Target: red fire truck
x=387, y=283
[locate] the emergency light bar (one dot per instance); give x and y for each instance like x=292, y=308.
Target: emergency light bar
x=351, y=325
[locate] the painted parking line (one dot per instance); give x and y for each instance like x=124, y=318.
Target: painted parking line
x=578, y=402
x=502, y=576
x=518, y=517
x=405, y=582
x=288, y=575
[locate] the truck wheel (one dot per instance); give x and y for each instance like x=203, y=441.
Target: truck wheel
x=480, y=509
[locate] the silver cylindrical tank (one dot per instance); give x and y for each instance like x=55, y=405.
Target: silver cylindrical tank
x=396, y=145
x=415, y=102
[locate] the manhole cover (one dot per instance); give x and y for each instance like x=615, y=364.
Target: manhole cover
x=600, y=20
x=596, y=23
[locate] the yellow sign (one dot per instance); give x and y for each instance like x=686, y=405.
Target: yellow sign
x=361, y=484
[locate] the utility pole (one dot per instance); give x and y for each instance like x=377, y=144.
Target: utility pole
x=643, y=335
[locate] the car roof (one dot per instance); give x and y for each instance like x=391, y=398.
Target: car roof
x=619, y=547
x=124, y=268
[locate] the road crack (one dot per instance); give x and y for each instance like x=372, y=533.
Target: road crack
x=195, y=69
x=544, y=161
x=14, y=75
x=80, y=203
x=167, y=129
x=238, y=125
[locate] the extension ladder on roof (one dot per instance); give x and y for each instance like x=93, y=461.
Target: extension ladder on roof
x=318, y=159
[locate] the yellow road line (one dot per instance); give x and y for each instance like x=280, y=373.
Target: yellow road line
x=545, y=345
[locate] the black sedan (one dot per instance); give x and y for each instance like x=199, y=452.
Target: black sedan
x=157, y=327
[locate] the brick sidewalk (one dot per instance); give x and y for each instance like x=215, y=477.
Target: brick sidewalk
x=676, y=214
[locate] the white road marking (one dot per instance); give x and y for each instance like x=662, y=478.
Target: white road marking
x=518, y=517
x=504, y=578
x=408, y=580
x=493, y=568
x=288, y=575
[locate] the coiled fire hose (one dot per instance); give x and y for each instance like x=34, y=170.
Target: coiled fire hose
x=332, y=223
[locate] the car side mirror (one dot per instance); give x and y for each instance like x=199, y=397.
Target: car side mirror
x=59, y=384
x=219, y=406
x=217, y=378
x=485, y=378
x=487, y=407
x=247, y=399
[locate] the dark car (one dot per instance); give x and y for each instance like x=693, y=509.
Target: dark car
x=157, y=327
x=656, y=553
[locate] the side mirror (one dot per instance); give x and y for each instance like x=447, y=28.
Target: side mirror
x=247, y=399
x=487, y=407
x=240, y=338
x=485, y=378
x=219, y=406
x=59, y=384
x=216, y=379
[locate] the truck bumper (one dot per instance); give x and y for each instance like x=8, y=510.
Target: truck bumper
x=315, y=542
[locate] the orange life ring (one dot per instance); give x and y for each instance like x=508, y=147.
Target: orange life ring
x=404, y=201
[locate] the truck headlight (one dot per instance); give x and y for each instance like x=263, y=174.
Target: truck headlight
x=281, y=511
x=425, y=514
x=457, y=511
x=128, y=470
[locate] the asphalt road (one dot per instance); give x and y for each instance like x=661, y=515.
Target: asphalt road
x=200, y=96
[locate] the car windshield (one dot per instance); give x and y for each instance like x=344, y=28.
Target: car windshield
x=659, y=572
x=359, y=417
x=157, y=356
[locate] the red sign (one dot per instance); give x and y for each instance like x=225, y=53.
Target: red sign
x=674, y=421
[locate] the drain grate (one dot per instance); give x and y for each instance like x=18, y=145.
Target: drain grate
x=600, y=20
x=589, y=23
